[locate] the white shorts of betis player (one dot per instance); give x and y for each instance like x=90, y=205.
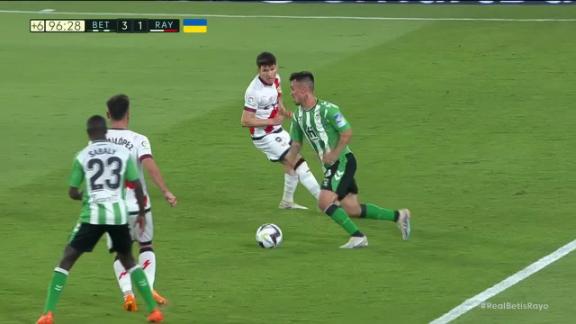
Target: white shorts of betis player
x=136, y=232
x=274, y=145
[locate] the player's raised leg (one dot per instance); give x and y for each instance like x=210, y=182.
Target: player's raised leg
x=401, y=217
x=355, y=209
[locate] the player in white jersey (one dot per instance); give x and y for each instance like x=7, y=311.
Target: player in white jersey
x=263, y=114
x=141, y=151
x=102, y=168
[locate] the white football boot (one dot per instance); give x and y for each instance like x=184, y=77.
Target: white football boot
x=290, y=205
x=356, y=242
x=403, y=223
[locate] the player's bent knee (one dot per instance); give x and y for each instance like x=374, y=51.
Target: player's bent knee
x=354, y=211
x=324, y=204
x=326, y=199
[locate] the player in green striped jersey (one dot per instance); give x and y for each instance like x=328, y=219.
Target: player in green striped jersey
x=103, y=167
x=324, y=126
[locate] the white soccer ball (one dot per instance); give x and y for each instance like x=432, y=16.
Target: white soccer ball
x=269, y=236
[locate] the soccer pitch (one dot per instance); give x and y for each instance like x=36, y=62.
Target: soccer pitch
x=469, y=123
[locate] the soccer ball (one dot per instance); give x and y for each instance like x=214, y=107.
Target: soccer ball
x=269, y=236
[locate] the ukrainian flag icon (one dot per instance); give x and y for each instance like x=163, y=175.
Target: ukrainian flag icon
x=195, y=25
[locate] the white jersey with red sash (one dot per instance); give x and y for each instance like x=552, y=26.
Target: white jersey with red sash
x=140, y=149
x=262, y=99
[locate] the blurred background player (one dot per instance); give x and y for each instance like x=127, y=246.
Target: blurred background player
x=326, y=129
x=264, y=113
x=103, y=167
x=141, y=153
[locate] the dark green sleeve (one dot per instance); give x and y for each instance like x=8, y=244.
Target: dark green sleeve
x=77, y=174
x=131, y=173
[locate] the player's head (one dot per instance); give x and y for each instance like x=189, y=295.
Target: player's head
x=96, y=127
x=267, y=69
x=301, y=86
x=118, y=106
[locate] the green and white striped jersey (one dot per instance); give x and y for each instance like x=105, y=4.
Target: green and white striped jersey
x=103, y=167
x=321, y=125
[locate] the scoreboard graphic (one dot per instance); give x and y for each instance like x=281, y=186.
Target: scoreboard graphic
x=105, y=25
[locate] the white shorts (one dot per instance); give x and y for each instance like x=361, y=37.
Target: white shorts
x=135, y=233
x=274, y=145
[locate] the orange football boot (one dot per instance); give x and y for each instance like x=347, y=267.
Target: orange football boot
x=130, y=303
x=47, y=318
x=156, y=316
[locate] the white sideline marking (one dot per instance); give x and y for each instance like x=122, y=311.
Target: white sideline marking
x=471, y=303
x=287, y=17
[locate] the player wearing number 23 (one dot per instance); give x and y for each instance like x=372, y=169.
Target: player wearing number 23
x=103, y=167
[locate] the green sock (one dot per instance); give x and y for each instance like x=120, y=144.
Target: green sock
x=139, y=278
x=55, y=289
x=376, y=212
x=339, y=216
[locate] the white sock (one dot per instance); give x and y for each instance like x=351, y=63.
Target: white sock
x=307, y=179
x=147, y=261
x=290, y=183
x=123, y=278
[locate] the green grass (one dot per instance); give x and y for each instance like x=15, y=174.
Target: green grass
x=469, y=124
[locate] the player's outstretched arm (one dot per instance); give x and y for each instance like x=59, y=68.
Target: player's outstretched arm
x=154, y=172
x=74, y=193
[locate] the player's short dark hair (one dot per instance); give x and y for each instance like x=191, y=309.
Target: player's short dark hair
x=303, y=76
x=265, y=59
x=118, y=106
x=96, y=125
